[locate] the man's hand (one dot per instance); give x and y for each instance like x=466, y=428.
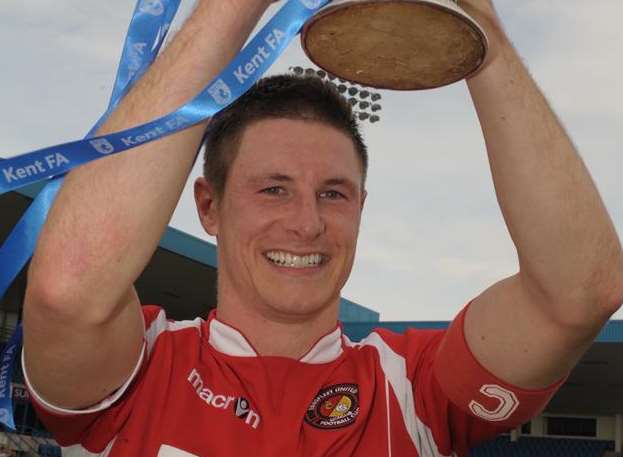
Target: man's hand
x=483, y=11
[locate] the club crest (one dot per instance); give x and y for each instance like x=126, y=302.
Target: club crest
x=334, y=407
x=153, y=7
x=312, y=4
x=103, y=146
x=220, y=92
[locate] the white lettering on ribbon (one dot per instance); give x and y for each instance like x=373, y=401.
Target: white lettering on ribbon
x=273, y=39
x=49, y=163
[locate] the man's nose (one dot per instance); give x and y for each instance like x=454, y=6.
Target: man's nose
x=305, y=218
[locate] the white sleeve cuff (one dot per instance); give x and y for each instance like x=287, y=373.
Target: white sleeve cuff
x=102, y=405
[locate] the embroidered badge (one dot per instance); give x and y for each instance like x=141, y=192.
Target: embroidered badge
x=334, y=407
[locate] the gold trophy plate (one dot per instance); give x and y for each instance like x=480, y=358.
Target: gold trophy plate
x=395, y=44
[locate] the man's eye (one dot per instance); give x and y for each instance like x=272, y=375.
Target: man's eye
x=332, y=195
x=275, y=190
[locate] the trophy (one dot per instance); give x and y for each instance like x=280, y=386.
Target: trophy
x=395, y=44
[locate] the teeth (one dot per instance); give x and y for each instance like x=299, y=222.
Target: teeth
x=294, y=261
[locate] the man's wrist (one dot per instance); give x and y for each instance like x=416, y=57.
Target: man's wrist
x=485, y=14
x=237, y=3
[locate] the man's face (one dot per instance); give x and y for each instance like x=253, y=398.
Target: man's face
x=288, y=221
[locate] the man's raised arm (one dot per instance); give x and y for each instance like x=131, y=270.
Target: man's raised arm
x=531, y=328
x=83, y=328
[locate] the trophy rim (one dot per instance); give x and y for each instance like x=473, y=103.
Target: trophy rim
x=448, y=6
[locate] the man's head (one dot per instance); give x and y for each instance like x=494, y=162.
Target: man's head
x=283, y=192
x=276, y=97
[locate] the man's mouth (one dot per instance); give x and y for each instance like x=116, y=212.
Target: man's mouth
x=287, y=259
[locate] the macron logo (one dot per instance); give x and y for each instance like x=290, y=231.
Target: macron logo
x=240, y=405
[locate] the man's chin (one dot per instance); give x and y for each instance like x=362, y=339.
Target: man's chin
x=299, y=307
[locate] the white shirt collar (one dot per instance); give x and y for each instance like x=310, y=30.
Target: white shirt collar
x=230, y=341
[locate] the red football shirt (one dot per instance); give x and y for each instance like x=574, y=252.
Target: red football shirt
x=200, y=389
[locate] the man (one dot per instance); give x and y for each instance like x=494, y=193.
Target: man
x=270, y=372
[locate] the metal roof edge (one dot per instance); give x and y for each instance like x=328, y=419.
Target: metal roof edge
x=354, y=312
x=189, y=246
x=32, y=190
x=612, y=331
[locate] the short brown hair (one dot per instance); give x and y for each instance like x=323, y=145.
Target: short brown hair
x=282, y=96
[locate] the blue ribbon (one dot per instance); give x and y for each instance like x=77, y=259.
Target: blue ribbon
x=237, y=78
x=146, y=34
x=147, y=31
x=6, y=374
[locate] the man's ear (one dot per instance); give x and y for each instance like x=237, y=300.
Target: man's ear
x=207, y=206
x=364, y=195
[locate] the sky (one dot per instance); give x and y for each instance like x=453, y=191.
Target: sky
x=432, y=235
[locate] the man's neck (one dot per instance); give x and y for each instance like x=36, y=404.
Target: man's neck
x=276, y=335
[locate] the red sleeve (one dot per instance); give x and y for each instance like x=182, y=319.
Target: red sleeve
x=479, y=393
x=99, y=424
x=480, y=405
x=457, y=402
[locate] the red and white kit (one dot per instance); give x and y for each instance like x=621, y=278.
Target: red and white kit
x=200, y=389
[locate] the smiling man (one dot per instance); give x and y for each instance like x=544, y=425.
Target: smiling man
x=270, y=372
x=283, y=192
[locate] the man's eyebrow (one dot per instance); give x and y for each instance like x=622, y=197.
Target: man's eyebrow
x=338, y=181
x=341, y=182
x=349, y=184
x=279, y=177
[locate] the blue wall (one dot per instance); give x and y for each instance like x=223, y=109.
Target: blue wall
x=352, y=312
x=612, y=332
